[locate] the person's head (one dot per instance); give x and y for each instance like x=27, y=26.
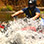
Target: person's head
x=31, y=4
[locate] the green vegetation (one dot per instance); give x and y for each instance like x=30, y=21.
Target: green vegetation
x=7, y=8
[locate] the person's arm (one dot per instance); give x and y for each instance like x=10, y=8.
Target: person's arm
x=16, y=13
x=36, y=16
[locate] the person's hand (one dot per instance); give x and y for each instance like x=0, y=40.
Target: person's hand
x=33, y=18
x=12, y=15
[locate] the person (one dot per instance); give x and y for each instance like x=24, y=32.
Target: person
x=31, y=11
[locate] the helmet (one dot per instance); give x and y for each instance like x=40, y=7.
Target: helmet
x=32, y=2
